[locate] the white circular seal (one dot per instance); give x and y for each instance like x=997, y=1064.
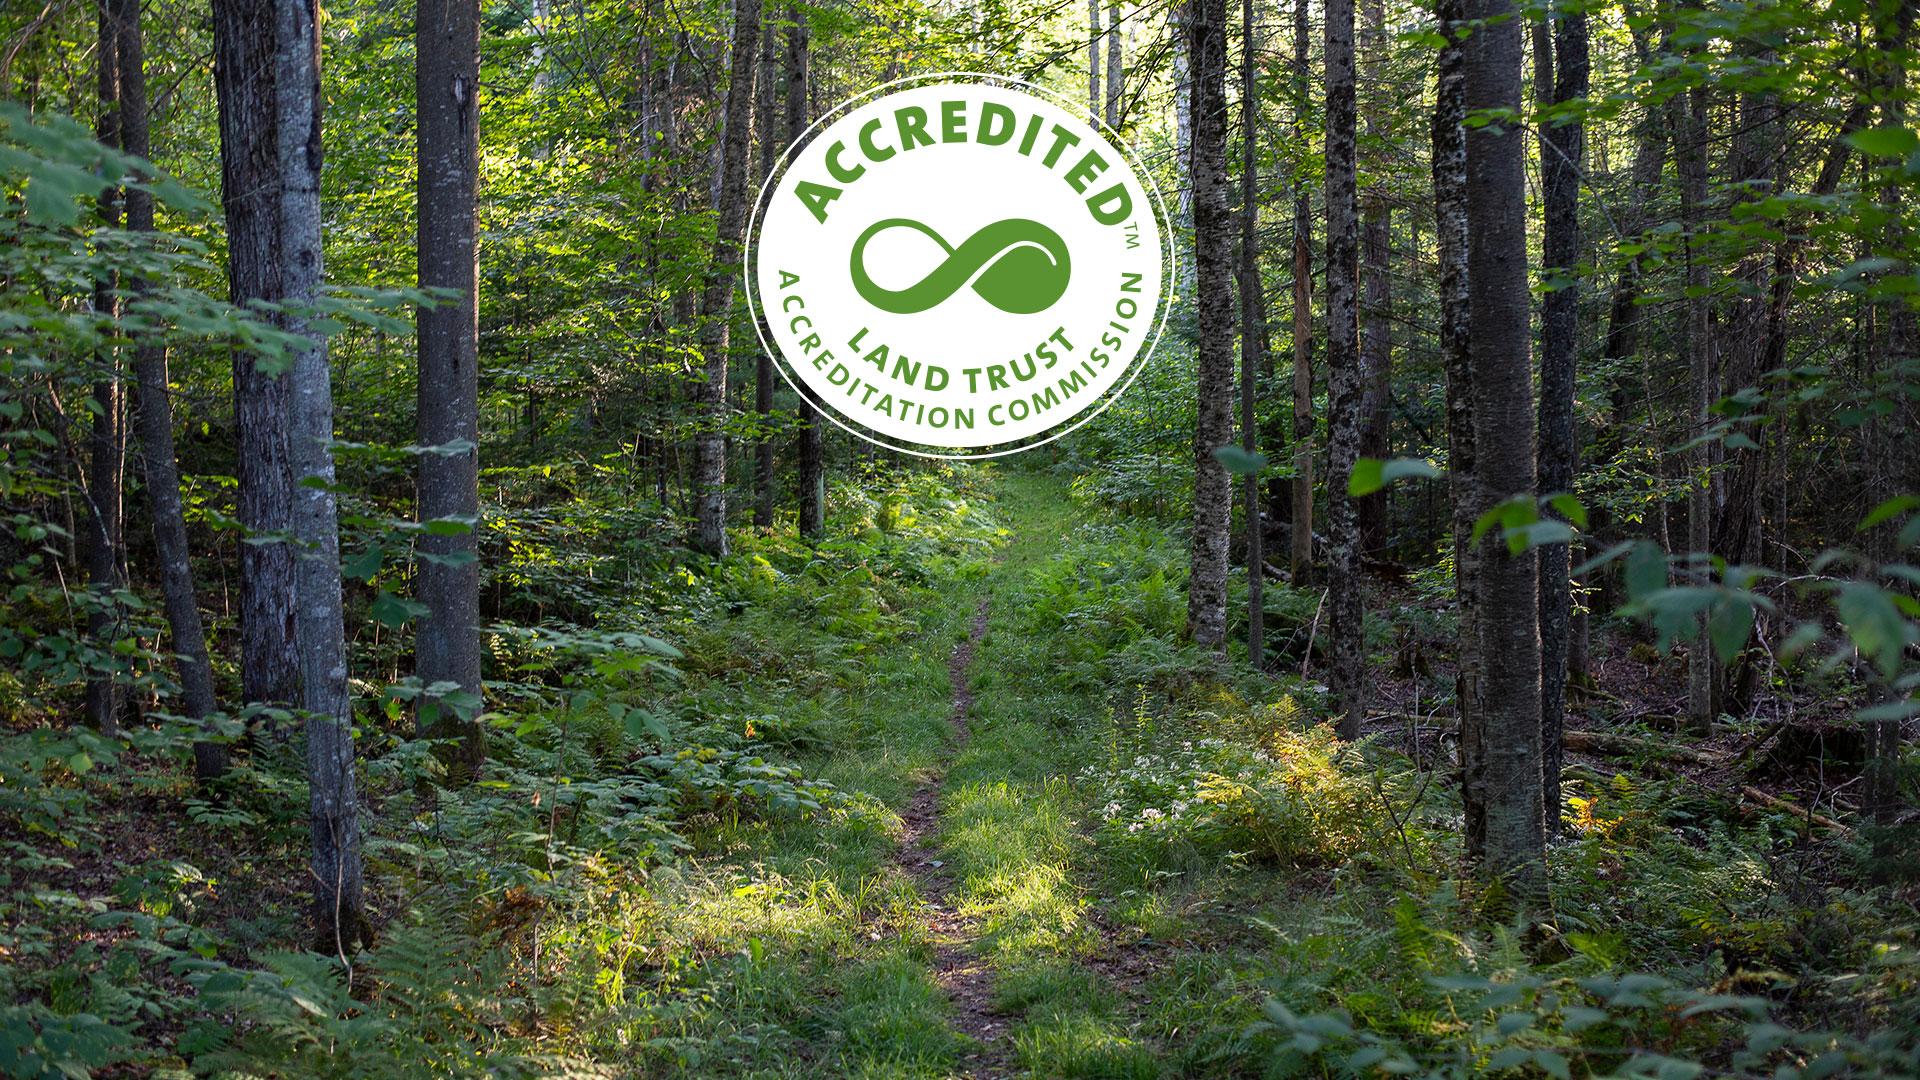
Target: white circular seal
x=959, y=266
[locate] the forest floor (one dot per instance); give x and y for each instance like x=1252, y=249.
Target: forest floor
x=973, y=947
x=1028, y=903
x=947, y=795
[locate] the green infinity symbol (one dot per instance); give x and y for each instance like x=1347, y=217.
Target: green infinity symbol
x=1017, y=265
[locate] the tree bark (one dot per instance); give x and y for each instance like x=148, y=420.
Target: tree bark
x=1253, y=328
x=1376, y=344
x=105, y=544
x=334, y=802
x=716, y=309
x=154, y=420
x=447, y=641
x=813, y=478
x=1115, y=65
x=246, y=82
x=1094, y=99
x=1346, y=377
x=1300, y=550
x=1560, y=77
x=1452, y=230
x=1206, y=23
x=1506, y=762
x=1690, y=151
x=770, y=124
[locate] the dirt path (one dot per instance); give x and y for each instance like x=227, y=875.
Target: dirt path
x=966, y=978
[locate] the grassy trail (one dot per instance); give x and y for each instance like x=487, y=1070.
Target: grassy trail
x=936, y=929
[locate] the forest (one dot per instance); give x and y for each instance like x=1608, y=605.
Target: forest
x=440, y=640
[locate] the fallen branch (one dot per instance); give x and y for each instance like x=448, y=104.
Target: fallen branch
x=1774, y=803
x=1595, y=742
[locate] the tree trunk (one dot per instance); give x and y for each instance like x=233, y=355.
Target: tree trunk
x=716, y=309
x=1690, y=151
x=1115, y=66
x=1094, y=99
x=246, y=82
x=1346, y=377
x=1376, y=345
x=770, y=124
x=813, y=477
x=447, y=642
x=334, y=804
x=1560, y=77
x=1206, y=23
x=154, y=419
x=1451, y=234
x=1253, y=328
x=1300, y=553
x=107, y=438
x=1506, y=763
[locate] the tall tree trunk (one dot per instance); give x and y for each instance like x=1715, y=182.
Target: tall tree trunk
x=813, y=477
x=1451, y=233
x=447, y=642
x=1177, y=15
x=1346, y=377
x=770, y=124
x=107, y=439
x=1376, y=345
x=1206, y=22
x=1506, y=765
x=716, y=308
x=1691, y=155
x=1560, y=77
x=1094, y=100
x=1300, y=552
x=1115, y=66
x=246, y=82
x=154, y=420
x=1890, y=444
x=1253, y=327
x=334, y=805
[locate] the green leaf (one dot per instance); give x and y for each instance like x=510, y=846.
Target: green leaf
x=80, y=762
x=365, y=565
x=1569, y=507
x=1646, y=570
x=1728, y=625
x=1889, y=510
x=451, y=525
x=1874, y=623
x=394, y=611
x=1238, y=461
x=1885, y=141
x=1371, y=474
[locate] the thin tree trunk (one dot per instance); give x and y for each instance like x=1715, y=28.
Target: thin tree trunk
x=1376, y=345
x=770, y=124
x=1253, y=328
x=1691, y=155
x=1451, y=234
x=334, y=803
x=1506, y=763
x=1206, y=22
x=246, y=82
x=716, y=309
x=1347, y=378
x=1115, y=64
x=1300, y=553
x=107, y=438
x=154, y=420
x=1094, y=99
x=1560, y=77
x=813, y=478
x=447, y=641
